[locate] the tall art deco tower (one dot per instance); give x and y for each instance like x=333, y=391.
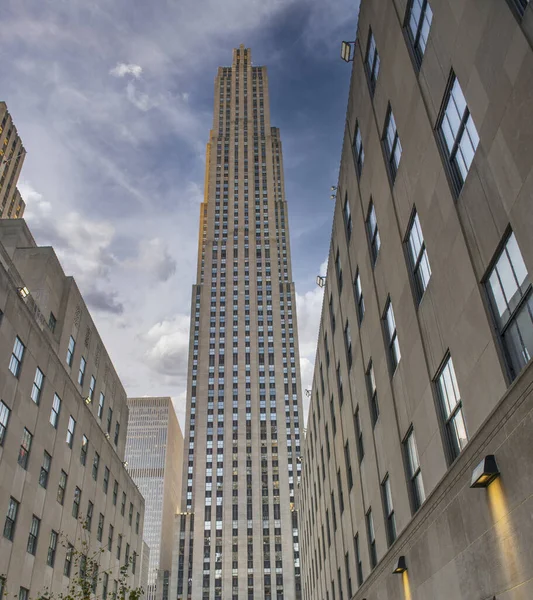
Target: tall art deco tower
x=237, y=537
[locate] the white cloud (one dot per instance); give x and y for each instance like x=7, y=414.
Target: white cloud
x=122, y=69
x=155, y=260
x=169, y=346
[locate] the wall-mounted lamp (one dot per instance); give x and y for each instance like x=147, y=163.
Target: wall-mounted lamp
x=125, y=463
x=485, y=472
x=88, y=400
x=401, y=567
x=346, y=51
x=308, y=393
x=23, y=291
x=321, y=280
x=334, y=188
x=106, y=435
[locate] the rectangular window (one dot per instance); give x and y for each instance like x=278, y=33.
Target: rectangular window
x=372, y=393
x=62, y=487
x=452, y=409
x=458, y=134
x=347, y=217
x=510, y=293
x=348, y=344
x=119, y=546
x=68, y=560
x=137, y=521
x=392, y=337
x=84, y=450
x=358, y=150
x=70, y=431
x=24, y=594
x=372, y=62
x=359, y=435
x=52, y=547
x=339, y=491
x=100, y=530
x=110, y=538
x=373, y=233
x=56, y=408
x=45, y=470
x=130, y=514
x=89, y=519
x=371, y=539
x=33, y=535
x=418, y=257
x=92, y=384
x=414, y=473
x=358, y=561
x=105, y=584
x=16, y=357
x=348, y=578
x=70, y=350
x=76, y=502
x=37, y=386
x=348, y=465
x=101, y=402
x=52, y=321
x=106, y=479
x=331, y=314
x=338, y=270
x=358, y=290
x=117, y=432
x=25, y=447
x=96, y=463
x=389, y=510
x=109, y=419
x=81, y=372
x=418, y=25
x=4, y=419
x=392, y=144
x=115, y=492
x=123, y=504
x=11, y=519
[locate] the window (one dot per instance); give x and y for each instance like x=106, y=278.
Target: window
x=372, y=62
x=68, y=560
x=123, y=504
x=52, y=547
x=52, y=321
x=510, y=293
x=137, y=521
x=348, y=344
x=130, y=514
x=25, y=447
x=452, y=409
x=393, y=147
x=392, y=337
x=37, y=386
x=119, y=546
x=418, y=494
x=101, y=402
x=62, y=487
x=70, y=431
x=359, y=297
x=339, y=491
x=358, y=562
x=45, y=470
x=23, y=594
x=4, y=419
x=70, y=350
x=331, y=314
x=96, y=464
x=11, y=519
x=33, y=535
x=76, y=502
x=81, y=372
x=348, y=465
x=100, y=530
x=84, y=449
x=339, y=385
x=389, y=510
x=372, y=393
x=109, y=419
x=371, y=539
x=418, y=257
x=358, y=151
x=92, y=384
x=105, y=584
x=56, y=408
x=373, y=232
x=106, y=479
x=110, y=538
x=359, y=435
x=89, y=519
x=419, y=24
x=117, y=431
x=16, y=357
x=347, y=217
x=338, y=270
x=458, y=134
x=115, y=492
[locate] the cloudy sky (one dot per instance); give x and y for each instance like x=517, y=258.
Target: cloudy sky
x=113, y=101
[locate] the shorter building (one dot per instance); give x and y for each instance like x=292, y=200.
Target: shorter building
x=154, y=453
x=12, y=154
x=63, y=423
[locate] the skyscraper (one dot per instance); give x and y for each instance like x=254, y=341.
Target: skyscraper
x=238, y=537
x=423, y=383
x=154, y=453
x=12, y=155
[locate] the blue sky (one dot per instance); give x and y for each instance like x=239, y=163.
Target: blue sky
x=113, y=101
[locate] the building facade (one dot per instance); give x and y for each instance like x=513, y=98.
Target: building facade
x=63, y=422
x=154, y=453
x=12, y=154
x=423, y=362
x=237, y=536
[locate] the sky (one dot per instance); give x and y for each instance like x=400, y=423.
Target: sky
x=113, y=100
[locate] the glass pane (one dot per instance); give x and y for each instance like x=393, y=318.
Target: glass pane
x=459, y=429
x=419, y=485
x=510, y=287
x=416, y=11
x=461, y=165
x=449, y=137
x=453, y=117
x=472, y=132
x=396, y=350
x=397, y=152
x=466, y=149
x=458, y=98
x=391, y=325
x=517, y=261
x=412, y=454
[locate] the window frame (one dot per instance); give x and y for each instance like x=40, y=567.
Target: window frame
x=347, y=218
x=55, y=412
x=37, y=387
x=413, y=475
x=359, y=434
x=10, y=523
x=372, y=392
x=25, y=448
x=5, y=413
x=393, y=343
x=358, y=150
x=17, y=356
x=372, y=70
x=374, y=239
x=388, y=510
x=52, y=548
x=71, y=429
x=415, y=262
x=33, y=535
x=44, y=473
x=71, y=348
x=390, y=152
x=371, y=532
x=414, y=40
x=359, y=296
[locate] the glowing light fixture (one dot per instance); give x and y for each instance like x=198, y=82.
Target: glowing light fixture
x=23, y=291
x=320, y=281
x=346, y=51
x=485, y=472
x=401, y=567
x=88, y=400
